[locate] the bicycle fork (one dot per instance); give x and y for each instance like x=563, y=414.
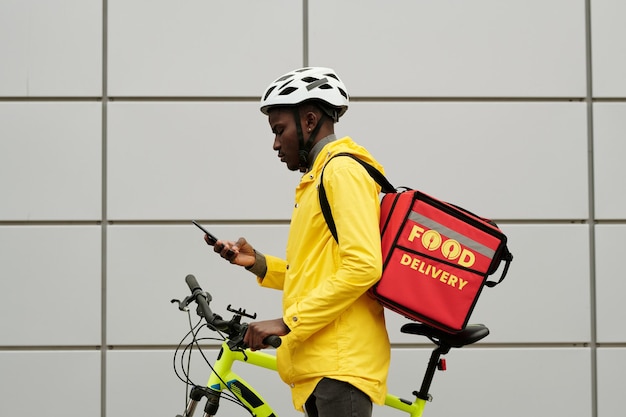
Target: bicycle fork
x=198, y=393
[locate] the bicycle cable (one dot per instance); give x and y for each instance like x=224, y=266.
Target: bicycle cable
x=228, y=395
x=186, y=380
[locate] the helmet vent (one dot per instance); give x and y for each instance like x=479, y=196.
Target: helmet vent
x=284, y=77
x=269, y=91
x=343, y=93
x=287, y=91
x=283, y=86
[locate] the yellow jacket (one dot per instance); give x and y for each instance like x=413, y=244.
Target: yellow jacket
x=337, y=329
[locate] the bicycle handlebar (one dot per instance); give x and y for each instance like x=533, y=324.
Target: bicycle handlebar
x=203, y=299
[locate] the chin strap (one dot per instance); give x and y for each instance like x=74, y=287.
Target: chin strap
x=305, y=148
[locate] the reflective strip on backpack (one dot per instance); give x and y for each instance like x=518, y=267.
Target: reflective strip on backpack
x=451, y=234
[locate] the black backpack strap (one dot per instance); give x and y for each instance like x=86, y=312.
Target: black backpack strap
x=386, y=187
x=507, y=257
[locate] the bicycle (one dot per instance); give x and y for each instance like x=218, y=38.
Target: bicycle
x=224, y=382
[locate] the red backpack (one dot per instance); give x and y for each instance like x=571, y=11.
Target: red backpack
x=436, y=256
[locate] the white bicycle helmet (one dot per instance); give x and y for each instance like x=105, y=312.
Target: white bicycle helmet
x=304, y=84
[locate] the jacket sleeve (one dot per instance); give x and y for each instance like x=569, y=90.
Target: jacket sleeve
x=275, y=275
x=353, y=197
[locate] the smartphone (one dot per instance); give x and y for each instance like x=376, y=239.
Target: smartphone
x=212, y=238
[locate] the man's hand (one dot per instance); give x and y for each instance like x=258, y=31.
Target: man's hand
x=259, y=330
x=238, y=253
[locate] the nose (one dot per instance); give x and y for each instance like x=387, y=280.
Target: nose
x=276, y=145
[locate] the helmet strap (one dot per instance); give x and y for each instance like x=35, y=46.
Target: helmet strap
x=303, y=155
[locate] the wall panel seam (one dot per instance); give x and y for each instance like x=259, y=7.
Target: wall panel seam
x=591, y=197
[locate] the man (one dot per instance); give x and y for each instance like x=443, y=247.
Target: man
x=335, y=351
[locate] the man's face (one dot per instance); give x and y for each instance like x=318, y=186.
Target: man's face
x=285, y=136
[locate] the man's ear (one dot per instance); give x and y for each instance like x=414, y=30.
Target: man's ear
x=311, y=119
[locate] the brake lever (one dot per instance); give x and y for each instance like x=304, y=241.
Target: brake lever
x=183, y=305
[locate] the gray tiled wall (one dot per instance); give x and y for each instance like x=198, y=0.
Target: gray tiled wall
x=120, y=121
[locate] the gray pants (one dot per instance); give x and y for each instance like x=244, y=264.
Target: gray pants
x=332, y=398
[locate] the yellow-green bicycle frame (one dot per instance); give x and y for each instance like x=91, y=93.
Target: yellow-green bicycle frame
x=224, y=378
